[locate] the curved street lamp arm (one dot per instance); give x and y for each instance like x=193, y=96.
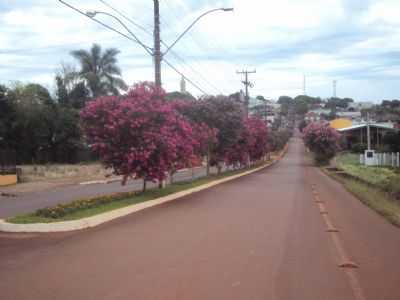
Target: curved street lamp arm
x=105, y=25
x=191, y=25
x=93, y=14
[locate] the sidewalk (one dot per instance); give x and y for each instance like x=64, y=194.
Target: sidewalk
x=28, y=197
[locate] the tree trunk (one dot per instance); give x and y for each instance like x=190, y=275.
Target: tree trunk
x=208, y=161
x=219, y=168
x=144, y=185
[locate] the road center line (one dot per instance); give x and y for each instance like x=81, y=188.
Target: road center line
x=344, y=261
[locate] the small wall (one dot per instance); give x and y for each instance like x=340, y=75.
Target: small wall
x=8, y=180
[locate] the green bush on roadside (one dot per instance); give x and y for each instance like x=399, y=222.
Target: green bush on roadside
x=359, y=147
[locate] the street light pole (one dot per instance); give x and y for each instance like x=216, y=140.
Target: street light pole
x=157, y=44
x=156, y=51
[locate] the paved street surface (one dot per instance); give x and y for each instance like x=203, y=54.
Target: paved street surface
x=259, y=237
x=26, y=202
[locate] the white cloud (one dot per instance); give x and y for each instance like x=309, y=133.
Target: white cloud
x=386, y=11
x=349, y=40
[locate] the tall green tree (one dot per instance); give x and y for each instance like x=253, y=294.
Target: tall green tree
x=38, y=128
x=7, y=118
x=75, y=97
x=286, y=102
x=99, y=70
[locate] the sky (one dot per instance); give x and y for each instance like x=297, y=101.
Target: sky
x=354, y=42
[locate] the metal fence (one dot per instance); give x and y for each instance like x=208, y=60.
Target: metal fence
x=384, y=159
x=8, y=162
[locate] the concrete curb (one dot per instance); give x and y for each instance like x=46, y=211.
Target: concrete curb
x=115, y=214
x=105, y=181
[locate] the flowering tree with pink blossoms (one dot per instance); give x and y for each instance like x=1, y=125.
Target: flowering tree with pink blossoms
x=251, y=146
x=322, y=140
x=258, y=145
x=225, y=118
x=139, y=135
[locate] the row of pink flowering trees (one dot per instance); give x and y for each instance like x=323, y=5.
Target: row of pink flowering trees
x=142, y=135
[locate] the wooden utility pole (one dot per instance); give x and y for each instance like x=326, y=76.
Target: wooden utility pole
x=157, y=44
x=247, y=84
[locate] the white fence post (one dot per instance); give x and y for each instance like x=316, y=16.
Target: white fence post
x=398, y=159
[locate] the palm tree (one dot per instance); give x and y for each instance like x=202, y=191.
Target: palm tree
x=100, y=71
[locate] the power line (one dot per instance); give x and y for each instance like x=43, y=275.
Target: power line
x=167, y=8
x=99, y=22
x=125, y=17
x=131, y=39
x=180, y=73
x=192, y=37
x=198, y=73
x=164, y=44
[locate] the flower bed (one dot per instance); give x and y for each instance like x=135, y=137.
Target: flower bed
x=62, y=210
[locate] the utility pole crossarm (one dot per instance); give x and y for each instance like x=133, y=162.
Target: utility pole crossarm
x=247, y=84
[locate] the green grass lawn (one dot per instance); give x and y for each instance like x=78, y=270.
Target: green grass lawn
x=380, y=201
x=385, y=178
x=131, y=198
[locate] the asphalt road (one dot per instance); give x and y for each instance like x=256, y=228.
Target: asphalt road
x=259, y=237
x=27, y=202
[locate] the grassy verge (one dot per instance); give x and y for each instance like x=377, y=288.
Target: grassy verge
x=120, y=200
x=380, y=201
x=385, y=178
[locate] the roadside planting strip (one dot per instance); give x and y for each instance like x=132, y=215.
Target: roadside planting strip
x=344, y=261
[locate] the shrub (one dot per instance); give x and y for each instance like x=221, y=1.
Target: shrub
x=358, y=147
x=322, y=140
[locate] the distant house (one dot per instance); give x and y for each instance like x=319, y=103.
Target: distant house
x=351, y=115
x=358, y=106
x=312, y=117
x=316, y=115
x=266, y=109
x=357, y=134
x=341, y=123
